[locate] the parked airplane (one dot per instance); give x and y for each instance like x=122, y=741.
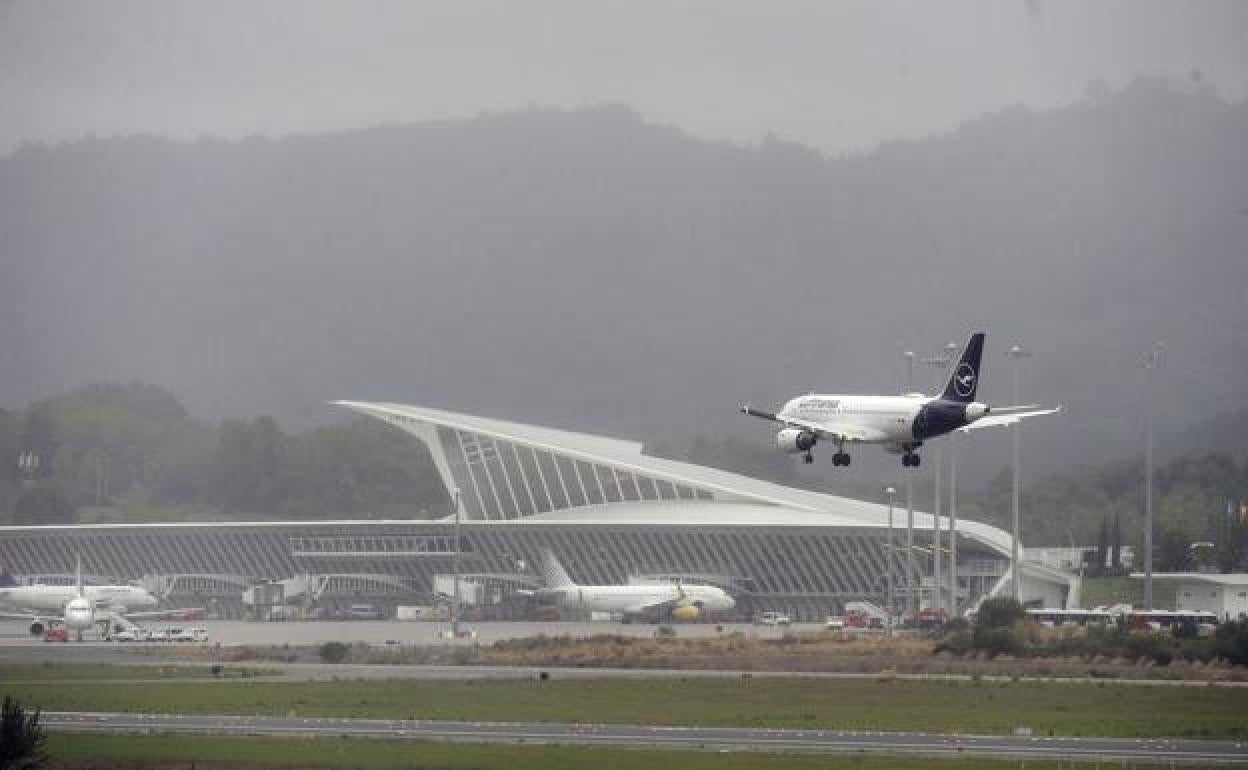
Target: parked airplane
x=685, y=602
x=900, y=423
x=78, y=607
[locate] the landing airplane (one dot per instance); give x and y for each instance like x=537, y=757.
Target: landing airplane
x=685, y=602
x=900, y=423
x=78, y=607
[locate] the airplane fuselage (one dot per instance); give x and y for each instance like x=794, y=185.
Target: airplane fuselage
x=54, y=598
x=627, y=598
x=895, y=421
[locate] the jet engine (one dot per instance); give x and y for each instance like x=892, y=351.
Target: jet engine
x=36, y=628
x=686, y=612
x=793, y=440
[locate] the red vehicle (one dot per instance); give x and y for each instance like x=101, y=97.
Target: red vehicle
x=56, y=635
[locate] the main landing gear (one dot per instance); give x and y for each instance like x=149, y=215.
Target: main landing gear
x=840, y=459
x=910, y=459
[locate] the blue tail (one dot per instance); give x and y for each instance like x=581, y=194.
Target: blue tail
x=964, y=380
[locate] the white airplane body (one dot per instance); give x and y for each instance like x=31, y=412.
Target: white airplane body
x=55, y=597
x=687, y=601
x=77, y=607
x=900, y=423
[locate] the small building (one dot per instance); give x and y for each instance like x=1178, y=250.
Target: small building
x=1225, y=595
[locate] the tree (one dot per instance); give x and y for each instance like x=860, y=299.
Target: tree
x=21, y=738
x=1115, y=547
x=999, y=612
x=44, y=503
x=1102, y=548
x=334, y=652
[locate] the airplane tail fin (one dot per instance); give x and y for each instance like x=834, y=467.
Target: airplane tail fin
x=964, y=379
x=554, y=573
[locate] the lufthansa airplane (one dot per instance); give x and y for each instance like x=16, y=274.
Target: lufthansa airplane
x=900, y=423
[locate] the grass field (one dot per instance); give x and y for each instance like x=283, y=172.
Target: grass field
x=875, y=704
x=78, y=752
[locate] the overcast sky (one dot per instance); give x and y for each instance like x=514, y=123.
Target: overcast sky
x=840, y=76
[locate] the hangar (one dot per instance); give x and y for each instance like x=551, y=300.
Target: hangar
x=610, y=512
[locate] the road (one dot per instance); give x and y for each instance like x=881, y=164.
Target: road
x=1161, y=751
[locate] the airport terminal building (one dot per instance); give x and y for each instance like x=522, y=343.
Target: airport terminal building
x=609, y=512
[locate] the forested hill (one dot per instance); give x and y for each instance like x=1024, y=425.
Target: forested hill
x=133, y=453
x=589, y=270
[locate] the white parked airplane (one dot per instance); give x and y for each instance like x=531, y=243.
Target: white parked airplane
x=900, y=423
x=77, y=607
x=686, y=602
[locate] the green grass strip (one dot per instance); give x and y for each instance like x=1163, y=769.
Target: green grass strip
x=1110, y=710
x=78, y=752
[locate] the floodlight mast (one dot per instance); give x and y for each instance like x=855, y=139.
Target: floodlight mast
x=455, y=571
x=1151, y=364
x=888, y=569
x=1016, y=354
x=939, y=361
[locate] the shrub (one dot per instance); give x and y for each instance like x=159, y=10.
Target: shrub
x=1000, y=612
x=1231, y=642
x=334, y=652
x=21, y=738
x=997, y=641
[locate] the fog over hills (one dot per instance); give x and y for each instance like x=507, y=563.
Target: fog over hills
x=588, y=270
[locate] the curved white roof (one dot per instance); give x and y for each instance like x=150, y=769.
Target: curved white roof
x=738, y=499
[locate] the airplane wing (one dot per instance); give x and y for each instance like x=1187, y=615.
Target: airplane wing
x=654, y=605
x=995, y=420
x=31, y=617
x=833, y=431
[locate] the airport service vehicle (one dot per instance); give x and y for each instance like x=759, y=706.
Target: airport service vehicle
x=774, y=619
x=131, y=635
x=835, y=623
x=364, y=612
x=684, y=602
x=56, y=634
x=899, y=423
x=1139, y=620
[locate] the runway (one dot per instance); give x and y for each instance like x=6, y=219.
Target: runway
x=1160, y=751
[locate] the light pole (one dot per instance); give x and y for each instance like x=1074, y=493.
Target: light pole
x=909, y=356
x=455, y=572
x=888, y=569
x=953, y=524
x=940, y=361
x=1151, y=365
x=910, y=544
x=1015, y=354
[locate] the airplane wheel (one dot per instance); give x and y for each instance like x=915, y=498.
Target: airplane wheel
x=809, y=459
x=916, y=461
x=846, y=463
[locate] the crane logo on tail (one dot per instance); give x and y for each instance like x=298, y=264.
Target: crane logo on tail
x=964, y=380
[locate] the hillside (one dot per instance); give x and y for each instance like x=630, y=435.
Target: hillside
x=589, y=270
